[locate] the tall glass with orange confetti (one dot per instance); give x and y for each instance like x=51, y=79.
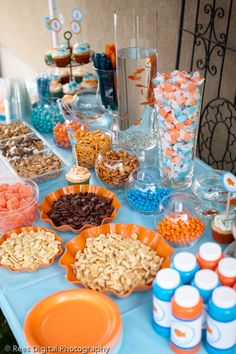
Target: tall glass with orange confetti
x=178, y=103
x=136, y=45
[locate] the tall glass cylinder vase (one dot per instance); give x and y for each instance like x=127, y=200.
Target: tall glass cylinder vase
x=136, y=45
x=178, y=103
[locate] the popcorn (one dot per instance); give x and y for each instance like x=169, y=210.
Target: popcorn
x=116, y=263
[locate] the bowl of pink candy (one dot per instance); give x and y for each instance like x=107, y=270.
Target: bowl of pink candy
x=18, y=204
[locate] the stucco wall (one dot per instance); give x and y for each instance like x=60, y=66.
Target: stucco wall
x=24, y=36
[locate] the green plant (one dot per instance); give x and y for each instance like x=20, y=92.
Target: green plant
x=6, y=336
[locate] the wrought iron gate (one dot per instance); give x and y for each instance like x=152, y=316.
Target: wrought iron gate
x=207, y=26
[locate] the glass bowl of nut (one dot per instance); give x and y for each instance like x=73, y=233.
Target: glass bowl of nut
x=114, y=166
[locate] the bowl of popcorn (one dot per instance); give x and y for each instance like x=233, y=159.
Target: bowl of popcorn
x=115, y=258
x=29, y=248
x=18, y=203
x=181, y=221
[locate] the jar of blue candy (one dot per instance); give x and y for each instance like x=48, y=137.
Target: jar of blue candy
x=45, y=115
x=145, y=190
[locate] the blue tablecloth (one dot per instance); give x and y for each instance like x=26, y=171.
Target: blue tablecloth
x=20, y=291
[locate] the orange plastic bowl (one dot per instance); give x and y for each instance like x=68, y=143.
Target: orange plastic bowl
x=29, y=228
x=150, y=238
x=47, y=203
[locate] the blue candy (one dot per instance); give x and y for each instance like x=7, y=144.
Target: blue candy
x=146, y=201
x=45, y=117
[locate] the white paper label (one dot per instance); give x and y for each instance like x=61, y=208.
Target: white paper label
x=77, y=15
x=75, y=27
x=204, y=316
x=56, y=25
x=221, y=335
x=162, y=312
x=186, y=334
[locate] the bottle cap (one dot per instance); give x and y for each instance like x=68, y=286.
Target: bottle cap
x=227, y=267
x=187, y=296
x=185, y=261
x=168, y=278
x=224, y=297
x=210, y=251
x=206, y=279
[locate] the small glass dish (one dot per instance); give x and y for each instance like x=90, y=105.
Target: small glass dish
x=25, y=215
x=209, y=188
x=114, y=166
x=145, y=190
x=180, y=221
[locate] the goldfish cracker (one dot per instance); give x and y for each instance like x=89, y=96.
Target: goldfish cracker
x=186, y=326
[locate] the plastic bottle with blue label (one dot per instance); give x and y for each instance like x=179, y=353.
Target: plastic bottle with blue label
x=186, y=325
x=186, y=264
x=221, y=322
x=205, y=281
x=164, y=286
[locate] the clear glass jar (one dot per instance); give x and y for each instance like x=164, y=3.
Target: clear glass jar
x=89, y=108
x=114, y=166
x=145, y=190
x=107, y=88
x=46, y=115
x=89, y=145
x=178, y=105
x=136, y=45
x=210, y=189
x=180, y=220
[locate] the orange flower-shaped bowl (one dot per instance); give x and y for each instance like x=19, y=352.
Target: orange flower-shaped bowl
x=150, y=238
x=30, y=228
x=47, y=203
